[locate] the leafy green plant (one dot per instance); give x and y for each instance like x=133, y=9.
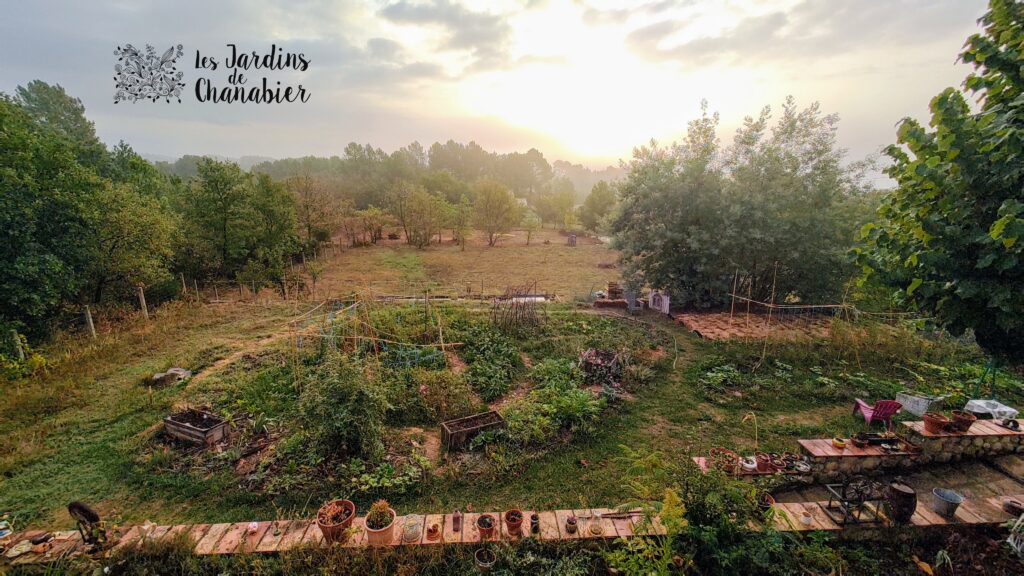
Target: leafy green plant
x=493, y=360
x=342, y=409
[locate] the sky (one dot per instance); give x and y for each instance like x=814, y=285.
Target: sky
x=583, y=81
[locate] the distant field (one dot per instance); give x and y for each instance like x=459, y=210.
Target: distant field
x=396, y=268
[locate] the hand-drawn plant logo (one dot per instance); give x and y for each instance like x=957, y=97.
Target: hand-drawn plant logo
x=146, y=76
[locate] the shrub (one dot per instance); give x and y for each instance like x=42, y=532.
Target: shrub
x=445, y=395
x=343, y=410
x=427, y=396
x=637, y=376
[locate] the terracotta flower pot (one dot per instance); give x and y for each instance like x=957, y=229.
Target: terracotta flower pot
x=382, y=536
x=764, y=463
x=935, y=423
x=334, y=518
x=486, y=524
x=514, y=521
x=962, y=421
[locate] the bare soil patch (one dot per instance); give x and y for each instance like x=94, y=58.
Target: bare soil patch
x=740, y=326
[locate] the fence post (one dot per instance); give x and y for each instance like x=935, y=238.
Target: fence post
x=184, y=287
x=88, y=322
x=142, y=302
x=17, y=345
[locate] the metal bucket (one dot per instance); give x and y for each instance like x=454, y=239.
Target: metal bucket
x=945, y=501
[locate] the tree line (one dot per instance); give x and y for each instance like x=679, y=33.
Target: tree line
x=82, y=223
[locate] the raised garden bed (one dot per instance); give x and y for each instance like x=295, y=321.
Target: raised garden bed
x=456, y=434
x=196, y=426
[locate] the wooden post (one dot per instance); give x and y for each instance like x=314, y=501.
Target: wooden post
x=142, y=302
x=17, y=345
x=88, y=322
x=732, y=309
x=195, y=284
x=184, y=287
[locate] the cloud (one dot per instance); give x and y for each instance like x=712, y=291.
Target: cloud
x=484, y=35
x=810, y=30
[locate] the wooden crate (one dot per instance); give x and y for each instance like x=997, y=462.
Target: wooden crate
x=199, y=435
x=456, y=434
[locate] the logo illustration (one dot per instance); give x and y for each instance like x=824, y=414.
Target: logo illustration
x=146, y=76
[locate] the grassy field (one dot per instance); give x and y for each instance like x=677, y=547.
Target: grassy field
x=87, y=430
x=396, y=268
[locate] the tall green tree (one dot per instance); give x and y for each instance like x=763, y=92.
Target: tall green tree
x=948, y=239
x=496, y=210
x=597, y=206
x=692, y=217
x=47, y=220
x=54, y=109
x=133, y=243
x=219, y=211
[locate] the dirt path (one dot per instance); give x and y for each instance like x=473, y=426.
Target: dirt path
x=233, y=357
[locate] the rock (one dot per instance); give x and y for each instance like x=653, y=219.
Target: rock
x=172, y=376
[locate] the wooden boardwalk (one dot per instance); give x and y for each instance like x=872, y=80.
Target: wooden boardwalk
x=982, y=428
x=284, y=535
x=972, y=512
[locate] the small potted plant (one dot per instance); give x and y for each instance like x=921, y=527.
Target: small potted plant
x=485, y=524
x=485, y=560
x=514, y=521
x=764, y=462
x=334, y=518
x=748, y=464
x=570, y=524
x=380, y=524
x=535, y=523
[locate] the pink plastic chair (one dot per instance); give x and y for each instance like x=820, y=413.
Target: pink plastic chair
x=883, y=411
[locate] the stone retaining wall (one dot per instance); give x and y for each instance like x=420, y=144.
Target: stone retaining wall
x=941, y=449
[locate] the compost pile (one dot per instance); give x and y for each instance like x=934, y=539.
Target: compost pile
x=600, y=367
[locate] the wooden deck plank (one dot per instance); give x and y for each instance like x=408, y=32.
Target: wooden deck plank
x=209, y=542
x=431, y=520
x=549, y=527
x=623, y=526
x=272, y=537
x=292, y=537
x=451, y=536
x=176, y=532
x=158, y=533
x=229, y=542
x=313, y=536
x=196, y=533
x=470, y=533
x=932, y=518
x=130, y=538
x=251, y=540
